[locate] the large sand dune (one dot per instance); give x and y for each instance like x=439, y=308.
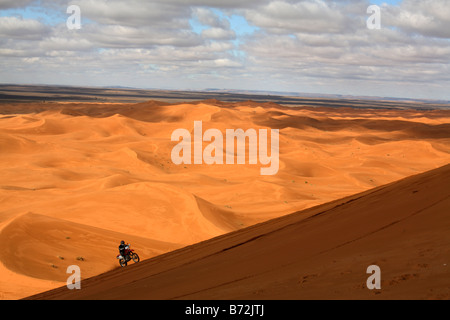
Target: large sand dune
x=319, y=253
x=75, y=179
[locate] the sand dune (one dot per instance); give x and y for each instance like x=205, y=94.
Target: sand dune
x=104, y=172
x=61, y=243
x=320, y=253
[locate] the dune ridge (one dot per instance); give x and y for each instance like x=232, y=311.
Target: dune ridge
x=319, y=253
x=104, y=171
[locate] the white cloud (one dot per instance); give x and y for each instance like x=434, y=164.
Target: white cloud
x=312, y=16
x=301, y=45
x=218, y=34
x=19, y=28
x=429, y=18
x=207, y=17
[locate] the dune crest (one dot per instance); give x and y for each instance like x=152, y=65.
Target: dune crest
x=319, y=253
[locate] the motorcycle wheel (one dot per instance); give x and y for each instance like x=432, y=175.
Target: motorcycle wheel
x=135, y=257
x=122, y=263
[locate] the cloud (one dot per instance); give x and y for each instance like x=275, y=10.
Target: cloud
x=214, y=26
x=136, y=13
x=22, y=29
x=291, y=45
x=118, y=36
x=10, y=4
x=209, y=18
x=312, y=16
x=428, y=18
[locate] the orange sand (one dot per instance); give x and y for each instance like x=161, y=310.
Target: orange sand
x=318, y=253
x=76, y=179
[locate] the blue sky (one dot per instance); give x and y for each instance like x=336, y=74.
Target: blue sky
x=52, y=16
x=380, y=2
x=47, y=16
x=312, y=46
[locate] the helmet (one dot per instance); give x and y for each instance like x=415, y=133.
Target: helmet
x=122, y=242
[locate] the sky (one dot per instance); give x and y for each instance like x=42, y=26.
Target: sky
x=304, y=46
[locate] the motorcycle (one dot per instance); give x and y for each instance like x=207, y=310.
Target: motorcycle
x=129, y=254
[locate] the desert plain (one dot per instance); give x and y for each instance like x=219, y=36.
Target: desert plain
x=76, y=178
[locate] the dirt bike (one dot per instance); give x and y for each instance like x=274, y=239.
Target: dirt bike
x=129, y=254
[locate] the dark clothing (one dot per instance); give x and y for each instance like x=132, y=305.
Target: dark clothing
x=122, y=250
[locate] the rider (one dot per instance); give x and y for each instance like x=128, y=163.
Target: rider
x=122, y=247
